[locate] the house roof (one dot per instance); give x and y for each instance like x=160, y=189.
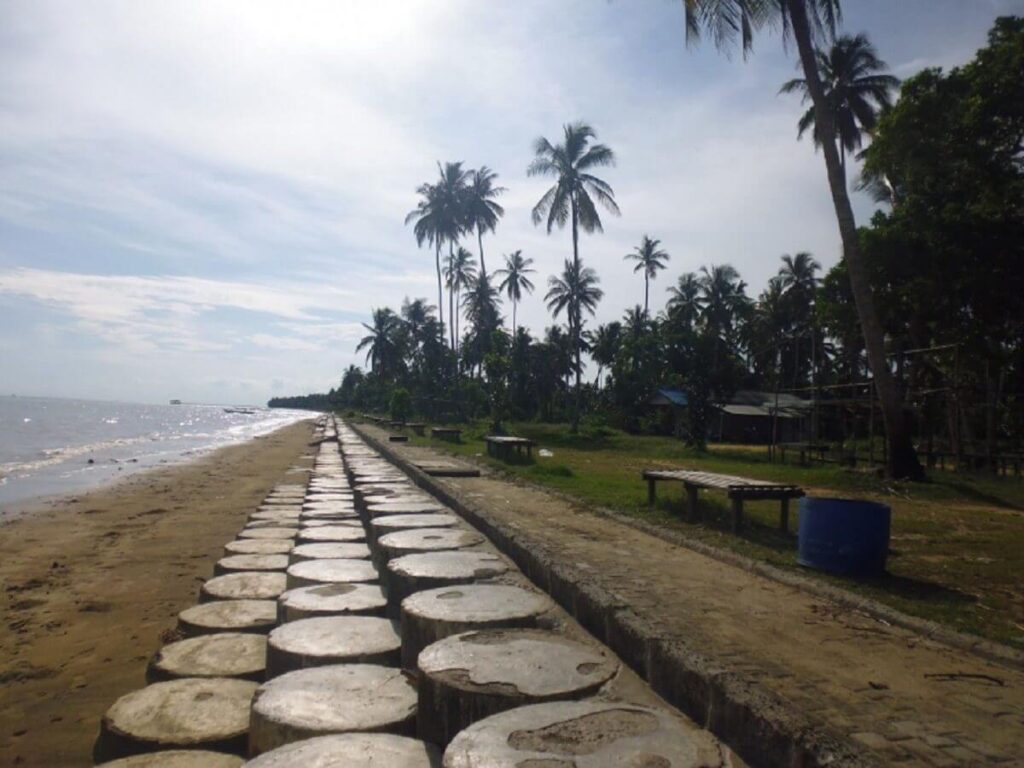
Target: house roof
x=744, y=410
x=768, y=400
x=746, y=402
x=669, y=397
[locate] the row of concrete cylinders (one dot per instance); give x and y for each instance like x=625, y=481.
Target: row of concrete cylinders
x=335, y=661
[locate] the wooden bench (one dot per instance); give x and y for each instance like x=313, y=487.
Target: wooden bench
x=739, y=489
x=417, y=427
x=446, y=433
x=501, y=446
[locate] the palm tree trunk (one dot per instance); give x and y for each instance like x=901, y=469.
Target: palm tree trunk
x=514, y=303
x=451, y=298
x=574, y=310
x=480, y=242
x=903, y=461
x=440, y=293
x=647, y=292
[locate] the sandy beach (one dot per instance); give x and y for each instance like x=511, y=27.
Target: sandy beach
x=91, y=583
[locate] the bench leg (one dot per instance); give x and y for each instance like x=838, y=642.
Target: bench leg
x=737, y=515
x=784, y=516
x=692, y=496
x=650, y=492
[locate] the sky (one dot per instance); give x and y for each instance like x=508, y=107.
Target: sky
x=204, y=199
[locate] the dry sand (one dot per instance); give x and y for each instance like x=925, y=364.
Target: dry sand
x=90, y=587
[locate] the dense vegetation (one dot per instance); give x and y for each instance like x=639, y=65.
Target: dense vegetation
x=939, y=268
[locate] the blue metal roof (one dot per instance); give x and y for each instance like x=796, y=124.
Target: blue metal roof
x=674, y=396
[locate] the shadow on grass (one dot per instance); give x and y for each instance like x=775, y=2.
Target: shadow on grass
x=581, y=442
x=516, y=460
x=976, y=494
x=914, y=590
x=717, y=518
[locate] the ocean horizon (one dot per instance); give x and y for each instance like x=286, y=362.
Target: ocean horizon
x=52, y=446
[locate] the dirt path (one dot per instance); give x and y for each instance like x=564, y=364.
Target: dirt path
x=89, y=585
x=908, y=700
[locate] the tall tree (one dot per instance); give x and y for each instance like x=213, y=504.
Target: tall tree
x=482, y=213
x=382, y=344
x=856, y=89
x=806, y=20
x=514, y=281
x=572, y=200
x=604, y=344
x=650, y=259
x=429, y=228
x=574, y=291
x=452, y=192
x=799, y=281
x=947, y=259
x=481, y=306
x=459, y=274
x=683, y=302
x=722, y=300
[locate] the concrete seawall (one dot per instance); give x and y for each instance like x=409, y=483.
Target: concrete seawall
x=757, y=725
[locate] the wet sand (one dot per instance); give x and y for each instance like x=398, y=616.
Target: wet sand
x=89, y=586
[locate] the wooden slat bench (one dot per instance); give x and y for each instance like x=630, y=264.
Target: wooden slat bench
x=739, y=489
x=446, y=433
x=501, y=446
x=417, y=427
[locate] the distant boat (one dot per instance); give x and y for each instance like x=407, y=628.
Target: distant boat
x=246, y=411
x=175, y=402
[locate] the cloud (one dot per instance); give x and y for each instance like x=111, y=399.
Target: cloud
x=193, y=193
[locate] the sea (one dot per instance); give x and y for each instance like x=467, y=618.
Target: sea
x=56, y=446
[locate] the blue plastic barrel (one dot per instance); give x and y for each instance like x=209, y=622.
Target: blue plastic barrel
x=844, y=536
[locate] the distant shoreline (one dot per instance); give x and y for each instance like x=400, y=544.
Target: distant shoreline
x=58, y=447
x=12, y=511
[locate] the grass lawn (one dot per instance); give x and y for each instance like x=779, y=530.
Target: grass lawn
x=957, y=551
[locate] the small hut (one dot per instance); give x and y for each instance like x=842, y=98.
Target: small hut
x=672, y=403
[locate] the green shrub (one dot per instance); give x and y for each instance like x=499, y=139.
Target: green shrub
x=400, y=404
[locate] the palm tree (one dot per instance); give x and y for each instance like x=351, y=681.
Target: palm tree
x=651, y=260
x=604, y=344
x=460, y=273
x=482, y=213
x=571, y=199
x=683, y=304
x=416, y=317
x=768, y=327
x=561, y=358
x=723, y=300
x=514, y=280
x=574, y=291
x=381, y=342
x=799, y=273
x=429, y=228
x=854, y=88
x=350, y=381
x=634, y=321
x=805, y=20
x=453, y=189
x=799, y=281
x=481, y=306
